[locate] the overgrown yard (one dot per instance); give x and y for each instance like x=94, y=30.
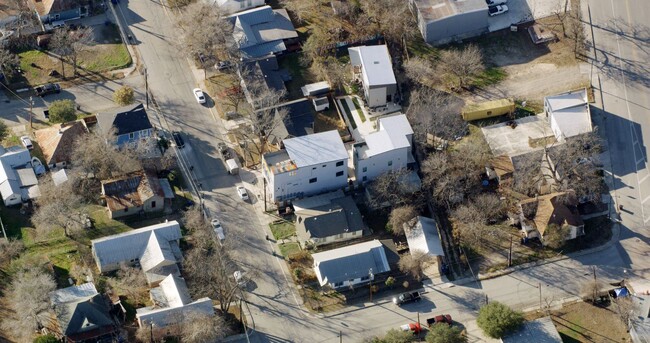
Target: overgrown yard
x=108, y=53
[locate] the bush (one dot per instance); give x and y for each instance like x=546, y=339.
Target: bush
x=49, y=338
x=298, y=274
x=390, y=281
x=124, y=96
x=497, y=319
x=443, y=333
x=62, y=111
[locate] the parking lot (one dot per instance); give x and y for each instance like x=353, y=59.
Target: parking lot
x=504, y=140
x=521, y=11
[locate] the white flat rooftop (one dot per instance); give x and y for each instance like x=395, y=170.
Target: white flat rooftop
x=316, y=149
x=376, y=64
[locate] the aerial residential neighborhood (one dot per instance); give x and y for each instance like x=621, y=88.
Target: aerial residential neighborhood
x=388, y=171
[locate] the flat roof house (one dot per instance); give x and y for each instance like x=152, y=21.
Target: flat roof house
x=154, y=247
x=263, y=31
x=82, y=314
x=387, y=149
x=307, y=165
x=373, y=67
x=129, y=123
x=350, y=265
x=444, y=21
x=568, y=114
x=327, y=218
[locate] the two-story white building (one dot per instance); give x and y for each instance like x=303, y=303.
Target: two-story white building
x=387, y=149
x=372, y=66
x=306, y=166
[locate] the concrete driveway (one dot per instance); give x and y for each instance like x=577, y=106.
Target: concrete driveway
x=504, y=140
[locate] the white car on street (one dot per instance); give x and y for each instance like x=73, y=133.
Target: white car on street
x=198, y=94
x=218, y=229
x=241, y=191
x=496, y=10
x=495, y=2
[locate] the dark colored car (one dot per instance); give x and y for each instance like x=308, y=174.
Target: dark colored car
x=444, y=318
x=407, y=297
x=48, y=88
x=223, y=150
x=178, y=139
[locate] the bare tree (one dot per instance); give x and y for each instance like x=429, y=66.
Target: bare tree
x=415, y=263
x=421, y=71
x=209, y=269
x=474, y=217
x=28, y=299
x=462, y=65
x=81, y=271
x=59, y=207
x=332, y=70
x=393, y=18
x=591, y=290
x=69, y=44
x=205, y=32
x=130, y=281
x=8, y=62
x=302, y=9
x=194, y=221
x=436, y=113
x=199, y=327
x=555, y=236
x=319, y=45
x=10, y=249
x=393, y=188
x=97, y=158
x=400, y=216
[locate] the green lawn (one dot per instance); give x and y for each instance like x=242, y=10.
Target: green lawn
x=291, y=62
x=288, y=249
x=282, y=229
x=355, y=100
x=490, y=77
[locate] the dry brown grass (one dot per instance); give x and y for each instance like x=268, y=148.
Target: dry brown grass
x=583, y=322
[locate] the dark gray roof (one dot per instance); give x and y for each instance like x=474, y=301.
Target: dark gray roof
x=127, y=119
x=261, y=31
x=341, y=215
x=298, y=122
x=83, y=315
x=350, y=262
x=267, y=69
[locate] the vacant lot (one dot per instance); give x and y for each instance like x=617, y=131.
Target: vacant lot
x=108, y=53
x=282, y=229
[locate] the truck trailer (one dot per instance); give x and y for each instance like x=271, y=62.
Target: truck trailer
x=488, y=109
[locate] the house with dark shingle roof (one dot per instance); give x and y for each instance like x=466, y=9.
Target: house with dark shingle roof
x=57, y=142
x=82, y=314
x=263, y=31
x=53, y=12
x=298, y=122
x=129, y=123
x=134, y=193
x=560, y=208
x=351, y=265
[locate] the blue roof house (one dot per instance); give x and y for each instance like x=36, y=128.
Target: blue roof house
x=128, y=123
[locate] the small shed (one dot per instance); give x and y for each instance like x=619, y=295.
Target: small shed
x=316, y=89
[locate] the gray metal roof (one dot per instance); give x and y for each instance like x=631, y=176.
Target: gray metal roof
x=27, y=177
x=316, y=149
x=127, y=119
x=350, y=262
x=80, y=308
x=340, y=215
x=424, y=236
x=162, y=317
x=540, y=330
x=261, y=31
x=434, y=10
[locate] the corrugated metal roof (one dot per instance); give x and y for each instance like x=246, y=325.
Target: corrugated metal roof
x=162, y=317
x=73, y=293
x=424, y=236
x=350, y=262
x=261, y=31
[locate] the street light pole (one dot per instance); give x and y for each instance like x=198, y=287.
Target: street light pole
x=146, y=86
x=371, y=276
x=151, y=331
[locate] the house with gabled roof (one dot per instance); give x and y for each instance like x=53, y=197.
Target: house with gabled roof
x=154, y=248
x=234, y=6
x=298, y=121
x=351, y=265
x=54, y=13
x=263, y=31
x=57, y=142
x=135, y=193
x=18, y=181
x=307, y=165
x=559, y=208
x=372, y=66
x=82, y=314
x=129, y=124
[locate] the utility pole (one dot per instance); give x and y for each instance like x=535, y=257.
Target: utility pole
x=540, y=295
x=510, y=253
x=264, y=182
x=146, y=86
x=31, y=111
x=340, y=336
x=370, y=276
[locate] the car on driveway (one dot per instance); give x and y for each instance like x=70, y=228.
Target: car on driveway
x=495, y=2
x=406, y=298
x=27, y=143
x=415, y=328
x=243, y=194
x=223, y=65
x=218, y=229
x=178, y=139
x=198, y=94
x=496, y=10
x=48, y=88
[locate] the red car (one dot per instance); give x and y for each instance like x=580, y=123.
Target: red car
x=445, y=318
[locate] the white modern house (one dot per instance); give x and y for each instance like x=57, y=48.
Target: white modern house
x=351, y=265
x=155, y=248
x=373, y=67
x=307, y=165
x=568, y=114
x=387, y=149
x=234, y=6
